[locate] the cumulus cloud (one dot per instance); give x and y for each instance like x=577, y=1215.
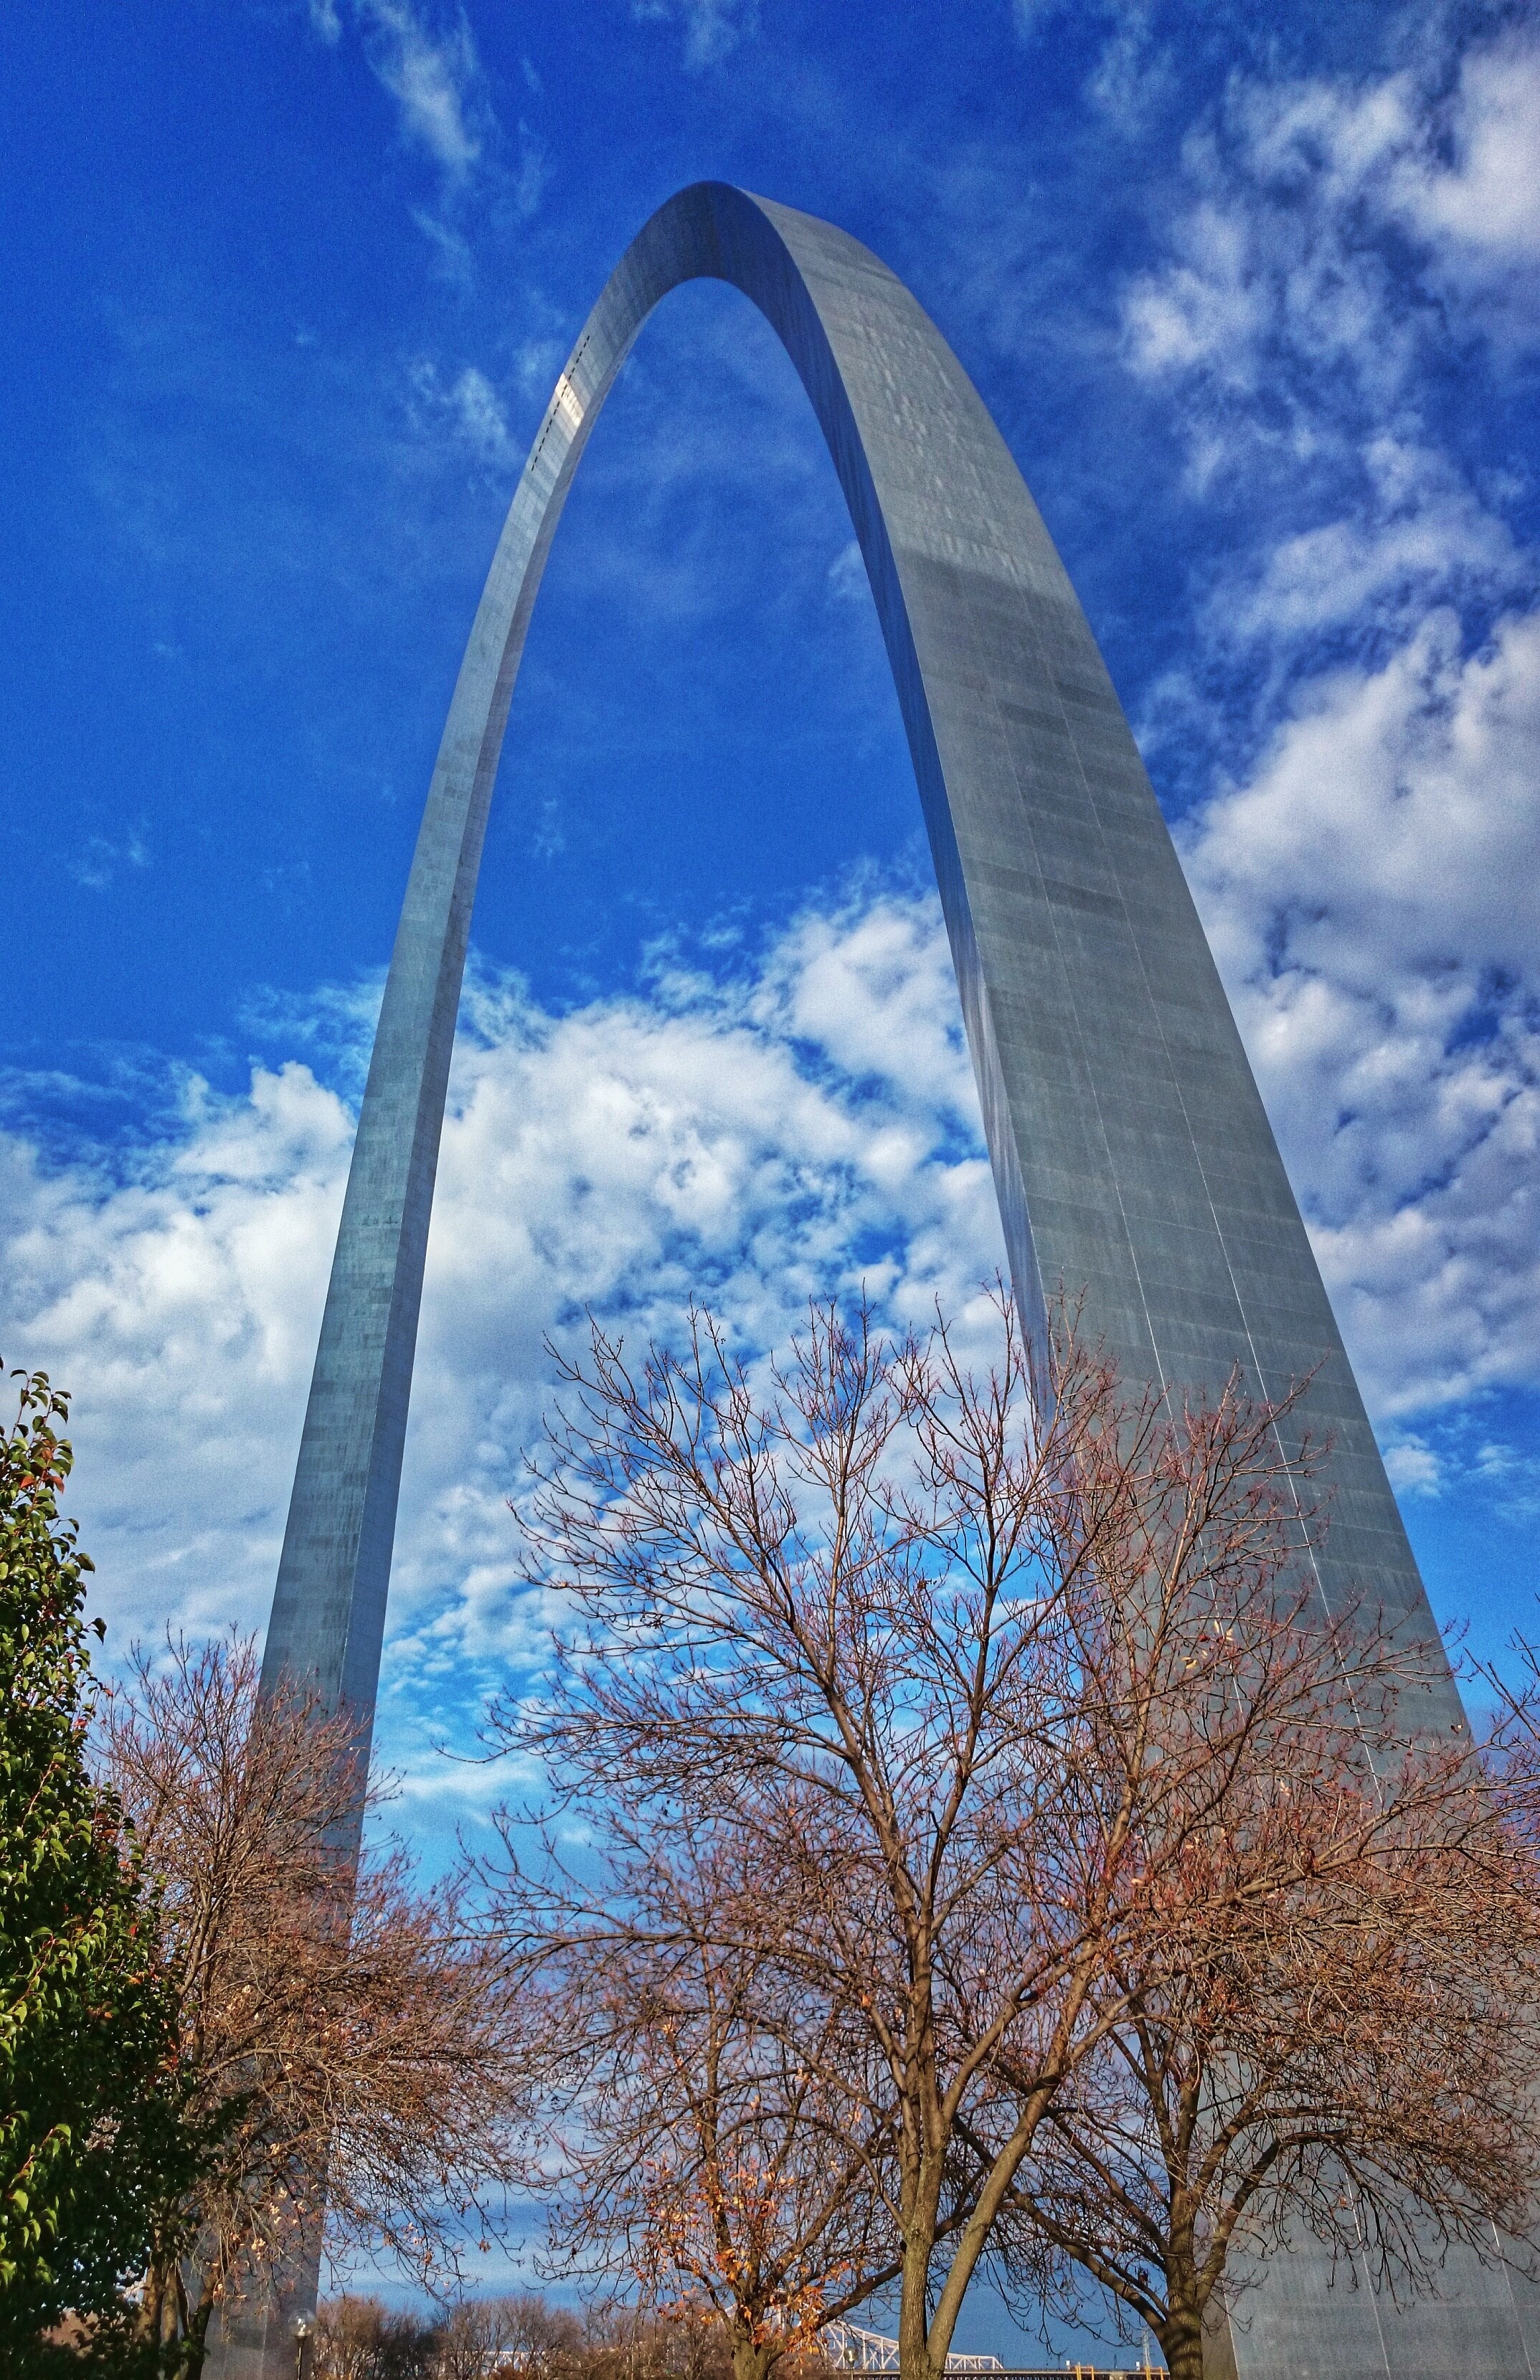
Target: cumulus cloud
x=809, y=1125
x=804, y=1122
x=1374, y=903
x=1471, y=186
x=1284, y=271
x=1367, y=695
x=180, y=1301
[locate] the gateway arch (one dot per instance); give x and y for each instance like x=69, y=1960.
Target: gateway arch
x=1131, y=1152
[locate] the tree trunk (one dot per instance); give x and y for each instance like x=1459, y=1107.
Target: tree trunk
x=751, y=2358
x=198, y=2337
x=1181, y=2337
x=913, y=2329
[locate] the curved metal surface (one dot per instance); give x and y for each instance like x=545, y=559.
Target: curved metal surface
x=1131, y=1152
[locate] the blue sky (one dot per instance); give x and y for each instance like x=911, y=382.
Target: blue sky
x=1253, y=297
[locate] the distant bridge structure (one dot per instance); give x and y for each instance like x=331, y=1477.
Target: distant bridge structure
x=850, y=2348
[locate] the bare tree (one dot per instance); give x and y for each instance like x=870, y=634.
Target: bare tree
x=524, y=2339
x=359, y=2062
x=359, y=2338
x=520, y=2338
x=692, y=2145
x=958, y=1692
x=1334, y=2031
x=1514, y=1744
x=495, y=2339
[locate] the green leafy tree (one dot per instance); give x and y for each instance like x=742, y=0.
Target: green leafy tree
x=88, y=2085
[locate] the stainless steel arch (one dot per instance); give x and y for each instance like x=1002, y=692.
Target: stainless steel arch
x=1131, y=1152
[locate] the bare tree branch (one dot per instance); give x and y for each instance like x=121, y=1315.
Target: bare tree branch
x=925, y=1731
x=346, y=2041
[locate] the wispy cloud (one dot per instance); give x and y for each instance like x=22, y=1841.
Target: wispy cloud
x=847, y=575
x=529, y=178
x=1414, y=533
x=100, y=859
x=481, y=419
x=713, y=28
x=469, y=408
x=1131, y=71
x=1454, y=1455
x=430, y=66
x=1514, y=1478
x=435, y=77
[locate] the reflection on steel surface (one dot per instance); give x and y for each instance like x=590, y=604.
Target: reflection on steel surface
x=1132, y=1156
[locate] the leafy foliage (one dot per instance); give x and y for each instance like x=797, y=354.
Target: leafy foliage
x=87, y=2070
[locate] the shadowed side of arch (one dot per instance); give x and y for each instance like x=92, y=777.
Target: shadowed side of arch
x=1131, y=1155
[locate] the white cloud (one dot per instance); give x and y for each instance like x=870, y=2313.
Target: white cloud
x=1129, y=73
x=1472, y=189
x=1283, y=271
x=712, y=28
x=847, y=575
x=481, y=419
x=806, y=1126
x=1206, y=307
x=528, y=184
x=1416, y=1468
x=97, y=860
x=1459, y=173
x=873, y=990
x=433, y=70
x=180, y=1303
x=434, y=76
x=469, y=409
x=1513, y=1476
x=808, y=1123
x=1416, y=534
x=1374, y=901
x=1369, y=877
x=537, y=363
